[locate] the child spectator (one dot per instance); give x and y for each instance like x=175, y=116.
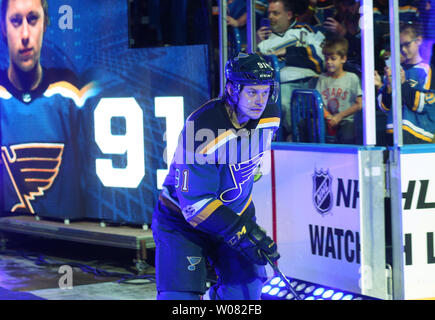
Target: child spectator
x=341, y=93
x=418, y=105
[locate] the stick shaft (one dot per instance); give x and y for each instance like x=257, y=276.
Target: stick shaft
x=283, y=277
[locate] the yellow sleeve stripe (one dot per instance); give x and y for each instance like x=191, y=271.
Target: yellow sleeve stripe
x=408, y=8
x=418, y=103
x=414, y=130
x=205, y=213
x=316, y=63
x=268, y=122
x=385, y=107
x=64, y=85
x=246, y=205
x=68, y=90
x=415, y=134
x=216, y=143
x=286, y=44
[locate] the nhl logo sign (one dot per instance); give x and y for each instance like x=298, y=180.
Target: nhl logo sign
x=322, y=191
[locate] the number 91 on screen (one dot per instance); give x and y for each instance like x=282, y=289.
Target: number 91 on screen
x=131, y=143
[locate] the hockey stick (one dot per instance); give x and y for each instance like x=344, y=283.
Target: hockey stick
x=282, y=276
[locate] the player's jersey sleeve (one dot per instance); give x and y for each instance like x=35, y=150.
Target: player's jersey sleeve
x=414, y=89
x=384, y=99
x=307, y=51
x=197, y=189
x=194, y=186
x=418, y=81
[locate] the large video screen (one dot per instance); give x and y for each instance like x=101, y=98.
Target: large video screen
x=89, y=134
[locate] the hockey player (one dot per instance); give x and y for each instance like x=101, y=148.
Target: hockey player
x=205, y=210
x=39, y=120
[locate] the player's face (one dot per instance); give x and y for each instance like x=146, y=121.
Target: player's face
x=252, y=102
x=24, y=32
x=409, y=47
x=279, y=17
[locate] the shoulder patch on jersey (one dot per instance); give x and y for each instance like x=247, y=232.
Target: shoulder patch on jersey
x=68, y=90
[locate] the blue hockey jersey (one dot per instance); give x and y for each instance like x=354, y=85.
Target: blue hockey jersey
x=418, y=110
x=39, y=146
x=211, y=176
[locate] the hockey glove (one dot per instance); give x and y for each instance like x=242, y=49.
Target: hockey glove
x=251, y=240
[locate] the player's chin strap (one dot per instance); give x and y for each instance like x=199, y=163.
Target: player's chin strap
x=278, y=272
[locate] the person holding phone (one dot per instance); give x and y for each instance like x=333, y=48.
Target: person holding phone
x=298, y=49
x=418, y=100
x=345, y=23
x=237, y=15
x=264, y=31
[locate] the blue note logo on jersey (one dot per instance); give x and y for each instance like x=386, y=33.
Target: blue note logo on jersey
x=32, y=169
x=322, y=191
x=193, y=262
x=240, y=172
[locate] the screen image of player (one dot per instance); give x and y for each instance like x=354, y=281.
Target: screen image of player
x=87, y=123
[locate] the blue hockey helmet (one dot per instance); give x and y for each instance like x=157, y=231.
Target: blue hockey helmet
x=251, y=69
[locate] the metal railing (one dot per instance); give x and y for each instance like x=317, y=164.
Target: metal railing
x=223, y=36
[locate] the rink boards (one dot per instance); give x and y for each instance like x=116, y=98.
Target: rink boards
x=324, y=206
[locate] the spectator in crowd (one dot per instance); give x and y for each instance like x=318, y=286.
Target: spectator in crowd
x=298, y=49
x=418, y=104
x=316, y=12
x=427, y=12
x=409, y=11
x=345, y=23
x=237, y=16
x=340, y=91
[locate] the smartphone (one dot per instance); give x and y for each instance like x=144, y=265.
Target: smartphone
x=328, y=13
x=264, y=22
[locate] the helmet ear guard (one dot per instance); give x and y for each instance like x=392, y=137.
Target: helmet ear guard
x=232, y=92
